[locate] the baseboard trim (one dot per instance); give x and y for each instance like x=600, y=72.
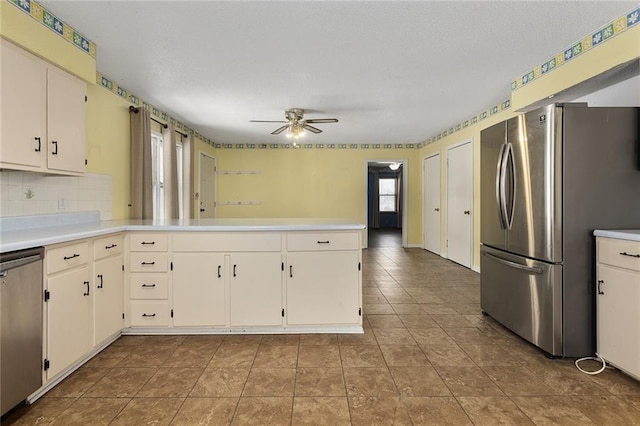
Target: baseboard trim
x=475, y=268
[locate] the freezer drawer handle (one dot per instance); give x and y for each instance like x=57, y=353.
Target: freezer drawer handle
x=531, y=269
x=624, y=253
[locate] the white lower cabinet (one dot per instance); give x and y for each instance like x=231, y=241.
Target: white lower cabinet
x=255, y=287
x=198, y=289
x=618, y=303
x=108, y=296
x=321, y=288
x=68, y=313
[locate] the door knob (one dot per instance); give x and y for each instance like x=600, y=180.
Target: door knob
x=437, y=209
x=201, y=210
x=467, y=212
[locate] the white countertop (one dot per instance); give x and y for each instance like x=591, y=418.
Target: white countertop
x=25, y=236
x=622, y=234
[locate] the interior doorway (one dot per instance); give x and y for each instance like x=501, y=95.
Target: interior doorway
x=207, y=186
x=386, y=203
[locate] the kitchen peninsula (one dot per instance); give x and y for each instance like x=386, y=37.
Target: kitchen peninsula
x=104, y=279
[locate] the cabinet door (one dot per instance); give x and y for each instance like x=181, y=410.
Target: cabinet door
x=68, y=319
x=323, y=288
x=198, y=289
x=619, y=318
x=66, y=114
x=255, y=287
x=23, y=136
x=108, y=293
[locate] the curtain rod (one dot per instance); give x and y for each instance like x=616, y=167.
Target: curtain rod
x=164, y=125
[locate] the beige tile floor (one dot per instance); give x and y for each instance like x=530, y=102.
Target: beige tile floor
x=428, y=356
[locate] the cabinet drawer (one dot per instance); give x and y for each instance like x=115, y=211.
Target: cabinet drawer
x=65, y=257
x=148, y=262
x=323, y=241
x=621, y=253
x=227, y=242
x=108, y=246
x=148, y=241
x=149, y=286
x=149, y=314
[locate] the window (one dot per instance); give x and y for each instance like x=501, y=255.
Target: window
x=159, y=174
x=157, y=169
x=387, y=194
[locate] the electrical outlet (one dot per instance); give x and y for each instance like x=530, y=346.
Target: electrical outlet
x=61, y=203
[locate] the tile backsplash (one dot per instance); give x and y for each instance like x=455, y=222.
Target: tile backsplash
x=26, y=193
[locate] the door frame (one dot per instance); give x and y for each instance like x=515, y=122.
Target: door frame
x=405, y=187
x=215, y=184
x=471, y=230
x=424, y=202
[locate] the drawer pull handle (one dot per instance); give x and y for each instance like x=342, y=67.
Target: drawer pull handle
x=219, y=270
x=148, y=263
x=88, y=287
x=624, y=253
x=148, y=285
x=71, y=257
x=110, y=247
x=600, y=282
x=148, y=315
x=148, y=243
x=101, y=281
x=323, y=242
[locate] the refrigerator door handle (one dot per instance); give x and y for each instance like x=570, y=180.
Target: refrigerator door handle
x=510, y=156
x=502, y=207
x=499, y=184
x=530, y=269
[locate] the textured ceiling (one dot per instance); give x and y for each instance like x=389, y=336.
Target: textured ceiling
x=391, y=72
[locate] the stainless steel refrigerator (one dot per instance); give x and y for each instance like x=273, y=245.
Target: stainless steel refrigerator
x=548, y=179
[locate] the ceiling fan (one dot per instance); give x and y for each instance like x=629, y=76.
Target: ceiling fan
x=296, y=124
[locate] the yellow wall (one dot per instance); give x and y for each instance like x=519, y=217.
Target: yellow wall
x=108, y=144
x=311, y=183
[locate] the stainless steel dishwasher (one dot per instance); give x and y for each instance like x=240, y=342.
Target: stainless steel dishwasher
x=20, y=326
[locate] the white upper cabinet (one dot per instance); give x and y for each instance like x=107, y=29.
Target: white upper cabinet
x=43, y=114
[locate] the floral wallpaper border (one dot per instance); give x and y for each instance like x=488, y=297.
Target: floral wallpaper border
x=595, y=39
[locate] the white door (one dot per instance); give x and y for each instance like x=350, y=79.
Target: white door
x=198, y=289
x=108, y=298
x=255, y=287
x=431, y=210
x=207, y=198
x=320, y=288
x=459, y=203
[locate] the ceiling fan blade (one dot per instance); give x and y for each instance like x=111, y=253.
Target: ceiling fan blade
x=322, y=120
x=312, y=129
x=280, y=130
x=267, y=121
